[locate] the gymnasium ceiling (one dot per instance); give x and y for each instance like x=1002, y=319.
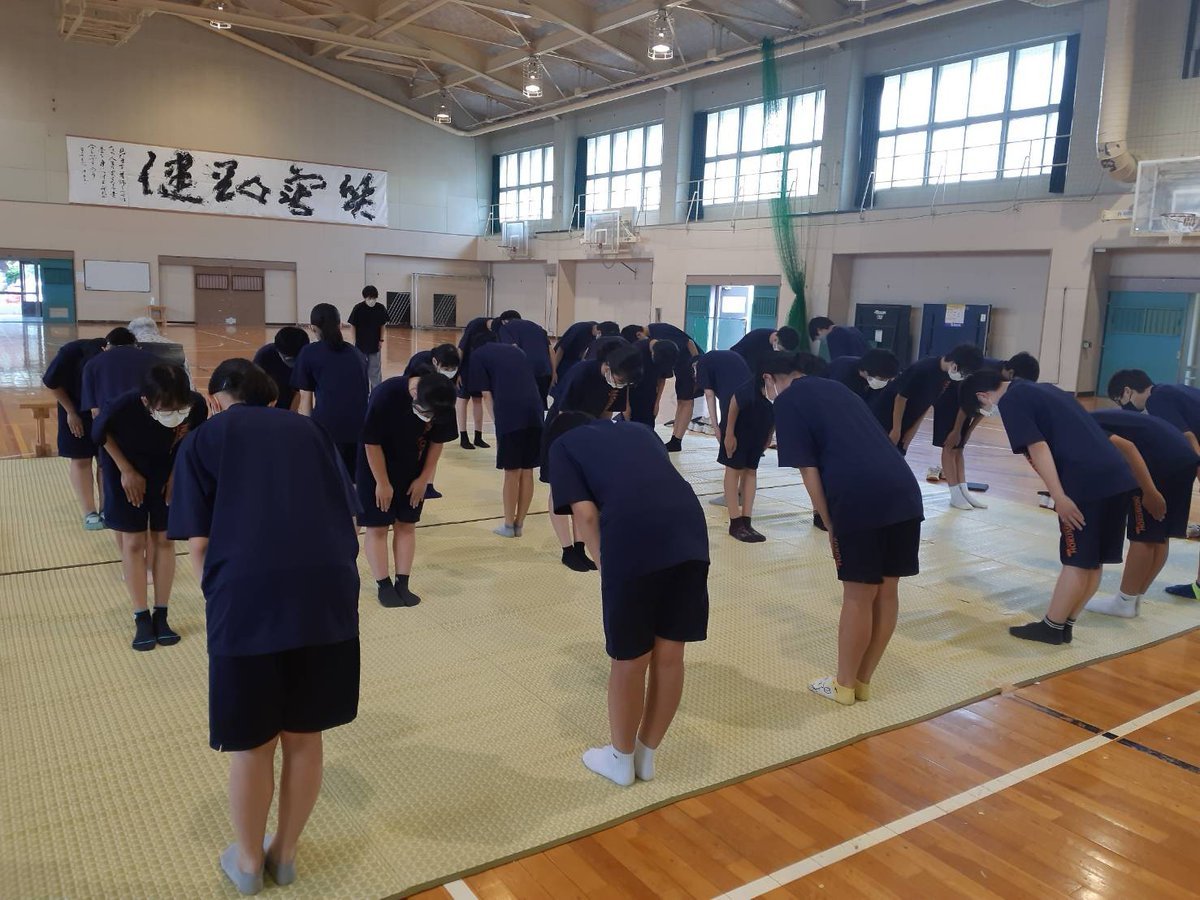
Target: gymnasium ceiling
x=470, y=54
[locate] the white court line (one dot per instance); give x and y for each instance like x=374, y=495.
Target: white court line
x=846, y=849
x=460, y=891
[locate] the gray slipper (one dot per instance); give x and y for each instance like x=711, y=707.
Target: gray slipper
x=245, y=882
x=282, y=874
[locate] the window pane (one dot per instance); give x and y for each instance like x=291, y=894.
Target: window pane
x=603, y=154
x=799, y=175
x=884, y=160
x=819, y=120
x=915, y=89
x=752, y=128
x=1060, y=67
x=654, y=139
x=620, y=149
x=775, y=131
x=550, y=164
x=652, y=190
x=1048, y=148
x=591, y=156
x=710, y=182
x=633, y=190
x=771, y=180
x=802, y=119
x=548, y=204
x=710, y=135
x=946, y=155
x=727, y=135
x=618, y=190
x=981, y=155
x=1032, y=77
x=508, y=206
x=889, y=103
x=748, y=177
x=989, y=80
x=523, y=167
x=909, y=168
x=726, y=181
x=598, y=194
x=1025, y=151
x=636, y=155
x=954, y=84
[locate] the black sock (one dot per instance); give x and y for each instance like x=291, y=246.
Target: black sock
x=464, y=441
x=1068, y=631
x=1047, y=631
x=674, y=444
x=385, y=581
x=480, y=442
x=143, y=636
x=407, y=597
x=581, y=549
x=401, y=583
x=163, y=632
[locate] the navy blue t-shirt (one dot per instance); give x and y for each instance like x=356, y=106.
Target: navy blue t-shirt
x=574, y=343
x=114, y=372
x=1177, y=404
x=505, y=371
x=1166, y=451
x=281, y=567
x=420, y=359
x=66, y=369
x=1089, y=467
x=867, y=482
x=585, y=389
x=845, y=370
x=392, y=425
x=650, y=518
x=754, y=345
x=268, y=359
x=756, y=415
x=604, y=345
x=338, y=378
x=722, y=372
x=149, y=446
x=665, y=331
x=643, y=394
x=532, y=338
x=845, y=341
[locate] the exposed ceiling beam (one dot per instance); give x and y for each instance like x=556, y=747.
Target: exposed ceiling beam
x=724, y=25
x=575, y=17
x=456, y=52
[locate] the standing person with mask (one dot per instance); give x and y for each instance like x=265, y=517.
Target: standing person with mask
x=644, y=526
x=871, y=502
x=368, y=322
x=407, y=422
x=278, y=359
x=951, y=430
x=902, y=406
x=445, y=360
x=279, y=574
x=64, y=378
x=685, y=378
x=598, y=388
x=1088, y=479
x=140, y=432
x=331, y=376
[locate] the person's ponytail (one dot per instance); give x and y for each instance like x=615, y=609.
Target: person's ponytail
x=328, y=321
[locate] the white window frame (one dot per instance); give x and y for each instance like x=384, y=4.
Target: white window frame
x=515, y=191
x=933, y=174
x=605, y=144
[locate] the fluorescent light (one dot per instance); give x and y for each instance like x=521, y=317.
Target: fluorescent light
x=443, y=115
x=533, y=78
x=220, y=26
x=662, y=31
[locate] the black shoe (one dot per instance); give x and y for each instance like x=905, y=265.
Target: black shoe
x=674, y=445
x=818, y=522
x=143, y=635
x=464, y=441
x=432, y=493
x=1038, y=631
x=162, y=631
x=388, y=598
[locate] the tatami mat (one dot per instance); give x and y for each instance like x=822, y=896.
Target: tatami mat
x=476, y=705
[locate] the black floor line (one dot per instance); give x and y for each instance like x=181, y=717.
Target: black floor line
x=1093, y=729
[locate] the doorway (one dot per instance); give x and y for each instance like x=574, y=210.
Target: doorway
x=1153, y=331
x=20, y=290
x=230, y=296
x=718, y=316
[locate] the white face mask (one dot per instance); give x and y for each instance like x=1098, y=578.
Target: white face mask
x=449, y=373
x=955, y=374
x=770, y=391
x=876, y=384
x=611, y=382
x=371, y=301
x=423, y=415
x=170, y=418
x=987, y=410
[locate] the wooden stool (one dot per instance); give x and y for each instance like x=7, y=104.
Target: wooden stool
x=41, y=412
x=157, y=313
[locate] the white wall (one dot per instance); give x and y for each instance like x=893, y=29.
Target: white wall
x=280, y=288
x=522, y=286
x=1013, y=284
x=606, y=291
x=395, y=273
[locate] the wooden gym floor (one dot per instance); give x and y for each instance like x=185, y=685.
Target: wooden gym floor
x=1086, y=785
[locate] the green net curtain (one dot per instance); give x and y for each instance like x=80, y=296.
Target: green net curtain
x=781, y=213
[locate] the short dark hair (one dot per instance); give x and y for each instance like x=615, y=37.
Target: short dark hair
x=290, y=340
x=564, y=422
x=244, y=381
x=1024, y=365
x=879, y=363
x=816, y=323
x=483, y=337
x=779, y=364
x=980, y=382
x=631, y=332
x=625, y=361
x=167, y=386
x=664, y=355
x=967, y=357
x=608, y=328
x=120, y=337
x=447, y=355
x=435, y=392
x=810, y=364
x=789, y=338
x=1127, y=378
x=508, y=315
x=370, y=292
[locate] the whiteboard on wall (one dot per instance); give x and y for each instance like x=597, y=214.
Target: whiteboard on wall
x=109, y=275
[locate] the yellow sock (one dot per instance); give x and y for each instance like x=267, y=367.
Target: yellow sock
x=862, y=690
x=842, y=694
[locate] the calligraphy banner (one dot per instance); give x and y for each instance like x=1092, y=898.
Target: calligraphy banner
x=113, y=173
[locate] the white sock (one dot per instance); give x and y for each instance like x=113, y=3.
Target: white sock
x=972, y=499
x=643, y=762
x=958, y=497
x=617, y=767
x=1127, y=598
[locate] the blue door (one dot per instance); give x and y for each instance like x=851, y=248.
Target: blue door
x=1144, y=330
x=58, y=291
x=697, y=314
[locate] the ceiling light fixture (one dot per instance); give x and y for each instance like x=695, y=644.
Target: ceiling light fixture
x=216, y=23
x=533, y=78
x=662, y=34
x=443, y=113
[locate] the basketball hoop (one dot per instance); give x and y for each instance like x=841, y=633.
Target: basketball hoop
x=1180, y=224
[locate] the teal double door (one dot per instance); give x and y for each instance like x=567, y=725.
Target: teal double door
x=713, y=328
x=1147, y=330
